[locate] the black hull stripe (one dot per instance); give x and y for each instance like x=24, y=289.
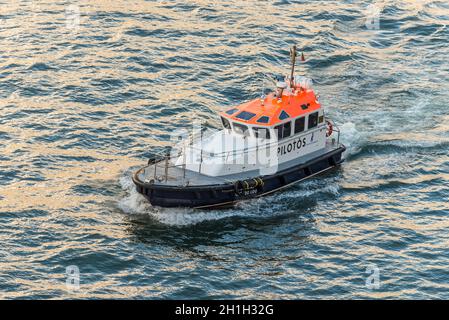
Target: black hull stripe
x=268, y=192
x=227, y=194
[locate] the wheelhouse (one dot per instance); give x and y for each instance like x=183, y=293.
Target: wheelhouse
x=275, y=117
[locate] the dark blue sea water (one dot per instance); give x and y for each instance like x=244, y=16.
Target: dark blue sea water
x=89, y=88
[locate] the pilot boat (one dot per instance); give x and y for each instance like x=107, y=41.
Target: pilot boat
x=264, y=145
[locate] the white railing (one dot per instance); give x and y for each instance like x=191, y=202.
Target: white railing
x=269, y=144
x=192, y=139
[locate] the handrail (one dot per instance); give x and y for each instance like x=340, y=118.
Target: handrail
x=337, y=129
x=226, y=154
x=242, y=151
x=165, y=157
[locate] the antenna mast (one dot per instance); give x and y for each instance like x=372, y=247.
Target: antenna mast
x=293, y=55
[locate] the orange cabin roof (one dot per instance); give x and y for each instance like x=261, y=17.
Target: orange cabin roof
x=293, y=105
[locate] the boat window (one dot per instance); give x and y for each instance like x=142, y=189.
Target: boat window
x=313, y=120
x=321, y=119
x=284, y=115
x=231, y=111
x=263, y=133
x=299, y=125
x=263, y=119
x=284, y=130
x=287, y=129
x=245, y=115
x=241, y=129
x=226, y=123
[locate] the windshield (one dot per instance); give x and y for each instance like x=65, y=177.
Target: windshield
x=241, y=129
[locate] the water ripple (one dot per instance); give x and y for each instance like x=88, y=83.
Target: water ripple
x=84, y=105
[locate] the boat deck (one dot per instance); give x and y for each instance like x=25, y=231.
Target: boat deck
x=177, y=176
